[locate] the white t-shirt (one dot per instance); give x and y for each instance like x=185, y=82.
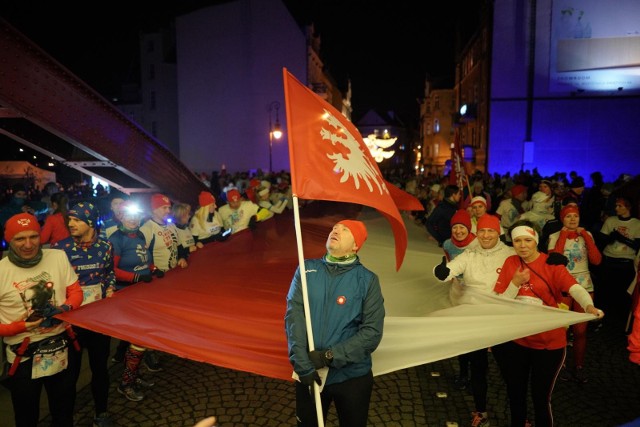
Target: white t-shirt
x=576, y=252
x=629, y=229
x=19, y=287
x=185, y=238
x=238, y=219
x=164, y=239
x=208, y=229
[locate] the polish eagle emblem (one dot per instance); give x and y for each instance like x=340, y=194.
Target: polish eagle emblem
x=355, y=163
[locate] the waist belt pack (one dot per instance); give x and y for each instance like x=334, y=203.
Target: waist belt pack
x=46, y=346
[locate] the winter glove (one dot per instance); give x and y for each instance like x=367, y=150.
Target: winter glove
x=222, y=235
x=142, y=278
x=252, y=222
x=318, y=358
x=442, y=271
x=614, y=235
x=50, y=311
x=555, y=258
x=310, y=378
x=158, y=273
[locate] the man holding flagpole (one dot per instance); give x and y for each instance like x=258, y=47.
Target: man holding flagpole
x=330, y=161
x=347, y=315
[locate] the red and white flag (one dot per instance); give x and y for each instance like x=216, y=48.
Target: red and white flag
x=330, y=161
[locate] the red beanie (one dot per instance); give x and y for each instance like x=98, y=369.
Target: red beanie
x=461, y=217
x=358, y=230
x=18, y=223
x=569, y=209
x=205, y=198
x=159, y=200
x=233, y=195
x=489, y=221
x=517, y=189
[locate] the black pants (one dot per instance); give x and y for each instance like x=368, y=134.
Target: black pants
x=98, y=347
x=60, y=389
x=351, y=398
x=479, y=364
x=614, y=276
x=520, y=365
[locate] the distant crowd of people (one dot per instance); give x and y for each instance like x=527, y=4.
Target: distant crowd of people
x=542, y=240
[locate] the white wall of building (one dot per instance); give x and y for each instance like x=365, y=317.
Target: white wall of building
x=229, y=61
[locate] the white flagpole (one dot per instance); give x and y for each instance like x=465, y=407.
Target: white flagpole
x=305, y=299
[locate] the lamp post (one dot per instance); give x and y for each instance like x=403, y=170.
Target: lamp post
x=275, y=131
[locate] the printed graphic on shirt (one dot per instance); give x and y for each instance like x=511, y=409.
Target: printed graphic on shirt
x=170, y=242
x=38, y=296
x=143, y=254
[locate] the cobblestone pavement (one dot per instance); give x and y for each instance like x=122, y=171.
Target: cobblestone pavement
x=611, y=397
x=187, y=391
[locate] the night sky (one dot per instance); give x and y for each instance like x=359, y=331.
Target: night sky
x=386, y=47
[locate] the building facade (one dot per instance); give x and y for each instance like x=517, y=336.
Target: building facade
x=472, y=91
x=437, y=127
x=565, y=87
x=212, y=86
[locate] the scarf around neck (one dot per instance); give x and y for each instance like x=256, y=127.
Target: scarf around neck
x=343, y=259
x=464, y=243
x=24, y=263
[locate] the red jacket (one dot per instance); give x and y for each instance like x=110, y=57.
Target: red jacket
x=558, y=280
x=54, y=229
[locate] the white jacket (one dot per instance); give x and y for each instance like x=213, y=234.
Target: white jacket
x=479, y=267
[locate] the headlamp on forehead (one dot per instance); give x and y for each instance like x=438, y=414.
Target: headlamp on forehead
x=131, y=210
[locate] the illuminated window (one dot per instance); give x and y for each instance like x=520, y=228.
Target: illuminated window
x=436, y=126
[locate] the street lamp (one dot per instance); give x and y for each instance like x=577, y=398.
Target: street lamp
x=275, y=131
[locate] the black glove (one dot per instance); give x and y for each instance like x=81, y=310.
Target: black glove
x=555, y=258
x=614, y=235
x=252, y=222
x=49, y=311
x=624, y=240
x=442, y=271
x=142, y=278
x=310, y=378
x=222, y=235
x=158, y=273
x=318, y=358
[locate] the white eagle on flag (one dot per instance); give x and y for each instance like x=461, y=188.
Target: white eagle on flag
x=357, y=163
